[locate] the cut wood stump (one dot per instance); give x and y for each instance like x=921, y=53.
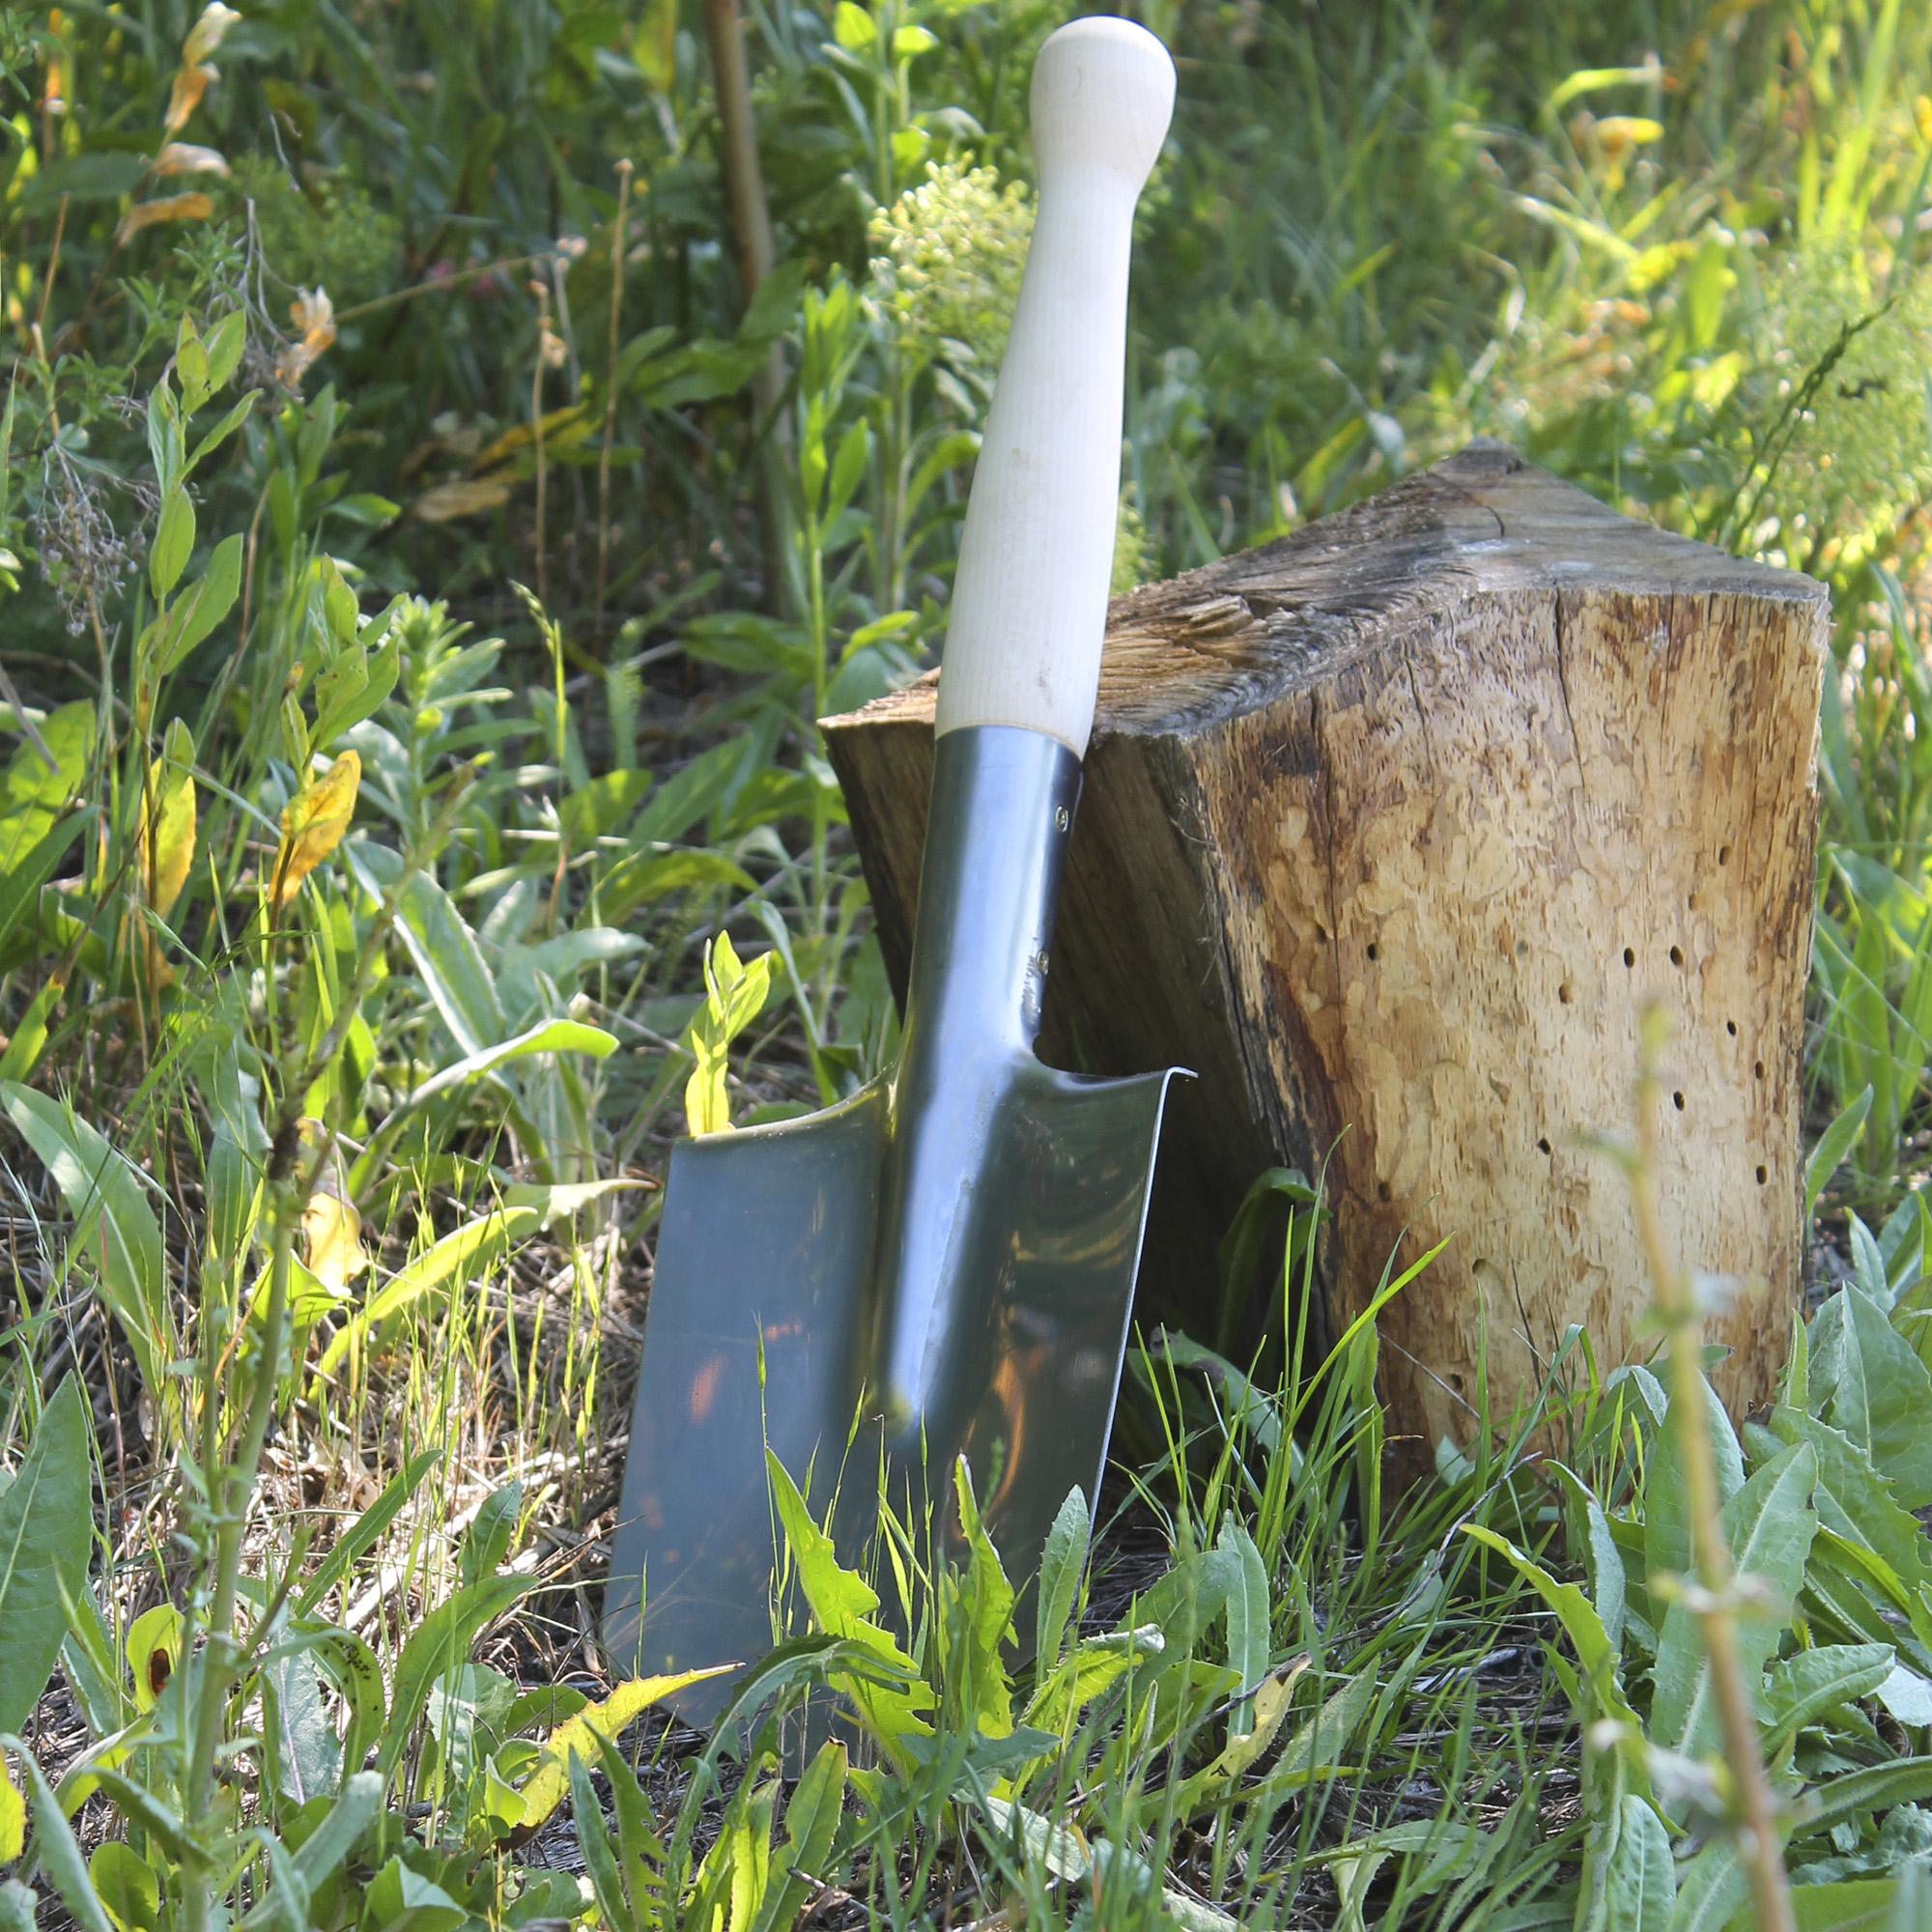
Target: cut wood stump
x=1390, y=830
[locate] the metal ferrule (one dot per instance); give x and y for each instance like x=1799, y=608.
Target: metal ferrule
x=997, y=829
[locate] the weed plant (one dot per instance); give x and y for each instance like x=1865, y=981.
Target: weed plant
x=405, y=681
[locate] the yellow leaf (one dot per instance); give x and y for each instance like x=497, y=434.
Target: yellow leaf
x=154, y=1649
x=185, y=97
x=208, y=32
x=314, y=314
x=183, y=158
x=333, y=1231
x=447, y=501
x=169, y=833
x=560, y=428
x=313, y=823
x=550, y=1779
x=191, y=207
x=13, y=1816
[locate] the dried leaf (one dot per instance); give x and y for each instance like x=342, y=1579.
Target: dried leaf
x=313, y=823
x=628, y=1702
x=447, y=501
x=167, y=827
x=191, y=207
x=208, y=32
x=332, y=1230
x=185, y=97
x=183, y=158
x=314, y=314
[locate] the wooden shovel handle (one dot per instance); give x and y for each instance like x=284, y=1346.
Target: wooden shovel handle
x=1029, y=600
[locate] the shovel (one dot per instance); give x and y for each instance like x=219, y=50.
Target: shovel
x=943, y=1264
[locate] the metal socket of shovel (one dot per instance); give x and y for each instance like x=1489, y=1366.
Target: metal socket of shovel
x=943, y=1264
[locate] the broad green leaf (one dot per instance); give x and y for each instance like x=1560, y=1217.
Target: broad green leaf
x=554, y=1036
x=987, y=1602
x=623, y=1707
x=1769, y=1525
x=1250, y=1636
x=1878, y=1787
x=154, y=1649
x=843, y=1604
x=128, y=1886
x=1809, y=1684
x=1061, y=1565
x=33, y=793
x=13, y=1816
x=810, y=1823
x=437, y=1644
x=173, y=540
x=46, y=1524
x=1847, y=1905
x=1709, y=1889
x=451, y=964
x=1640, y=1881
x=1854, y=1501
x=114, y=1227
x=1834, y=1145
x=1865, y=1380
x=1666, y=1523
x=400, y=1899
x=57, y=1848
x=20, y=885
x=196, y=611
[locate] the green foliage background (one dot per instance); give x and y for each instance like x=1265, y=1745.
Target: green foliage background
x=422, y=558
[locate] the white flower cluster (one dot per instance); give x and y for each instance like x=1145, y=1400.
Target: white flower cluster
x=949, y=254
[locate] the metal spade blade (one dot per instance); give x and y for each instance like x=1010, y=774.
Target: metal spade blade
x=941, y=1266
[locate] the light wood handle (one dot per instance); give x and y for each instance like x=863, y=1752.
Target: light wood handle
x=1030, y=600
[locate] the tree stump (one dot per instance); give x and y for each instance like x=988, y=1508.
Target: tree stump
x=1390, y=830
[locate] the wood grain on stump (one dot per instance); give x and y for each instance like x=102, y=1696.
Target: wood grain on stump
x=1390, y=829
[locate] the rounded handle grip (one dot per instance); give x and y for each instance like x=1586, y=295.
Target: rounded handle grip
x=1029, y=599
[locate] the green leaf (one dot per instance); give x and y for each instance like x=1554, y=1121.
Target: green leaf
x=46, y=1524
x=401, y=1899
x=1854, y=1501
x=811, y=1823
x=175, y=542
x=193, y=614
x=987, y=1601
x=1878, y=1787
x=1834, y=1145
x=1809, y=1685
x=34, y=794
x=843, y=1604
x=554, y=1036
x=1250, y=1638
x=225, y=342
x=1666, y=1523
x=441, y=1641
x=1866, y=1380
x=1580, y=1623
x=853, y=27
x=1640, y=1881
x=1711, y=1889
x=734, y=996
x=58, y=1849
x=129, y=1888
x=1769, y=1525
x=114, y=1227
x=1061, y=1565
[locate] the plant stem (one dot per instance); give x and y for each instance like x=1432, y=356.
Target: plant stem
x=619, y=237
x=1716, y=1604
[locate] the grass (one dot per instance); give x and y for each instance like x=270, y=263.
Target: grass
x=415, y=613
